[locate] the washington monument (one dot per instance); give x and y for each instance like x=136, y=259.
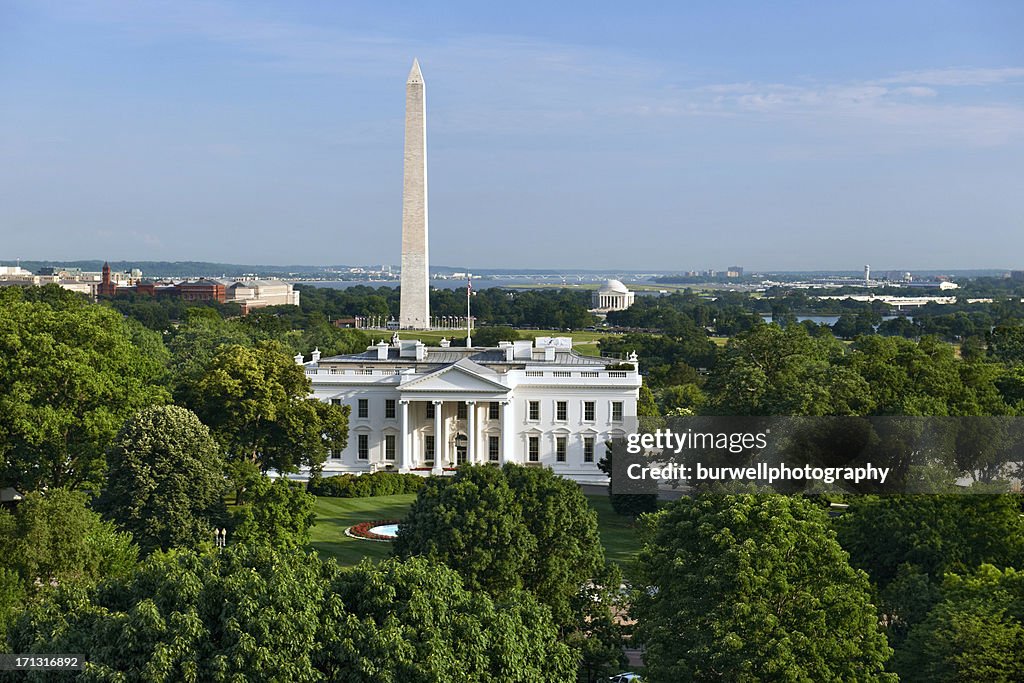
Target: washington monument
x=415, y=306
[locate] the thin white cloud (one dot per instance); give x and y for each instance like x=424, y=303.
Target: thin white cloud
x=958, y=76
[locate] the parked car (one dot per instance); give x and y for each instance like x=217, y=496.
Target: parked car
x=628, y=677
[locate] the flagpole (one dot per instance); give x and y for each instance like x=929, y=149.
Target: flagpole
x=469, y=316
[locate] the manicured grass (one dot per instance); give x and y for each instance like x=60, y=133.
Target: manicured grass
x=334, y=515
x=618, y=532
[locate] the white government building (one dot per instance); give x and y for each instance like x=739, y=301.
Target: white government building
x=612, y=296
x=428, y=409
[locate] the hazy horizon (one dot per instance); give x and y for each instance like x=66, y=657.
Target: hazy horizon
x=781, y=138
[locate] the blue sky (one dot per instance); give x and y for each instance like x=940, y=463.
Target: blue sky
x=797, y=135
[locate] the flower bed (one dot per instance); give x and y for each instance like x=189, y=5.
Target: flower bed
x=362, y=530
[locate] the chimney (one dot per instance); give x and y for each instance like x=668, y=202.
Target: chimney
x=549, y=353
x=509, y=349
x=298, y=359
x=382, y=350
x=421, y=351
x=316, y=355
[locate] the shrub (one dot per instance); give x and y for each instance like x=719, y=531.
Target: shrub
x=366, y=485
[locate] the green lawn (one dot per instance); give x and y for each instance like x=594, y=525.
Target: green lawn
x=618, y=532
x=334, y=515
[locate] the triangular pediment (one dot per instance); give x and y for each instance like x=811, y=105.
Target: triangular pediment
x=454, y=378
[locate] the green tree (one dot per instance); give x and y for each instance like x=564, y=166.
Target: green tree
x=278, y=513
x=908, y=543
x=254, y=613
x=71, y=375
x=414, y=621
x=256, y=402
x=490, y=336
x=502, y=530
x=976, y=632
x=53, y=539
x=751, y=588
x=166, y=481
x=774, y=371
x=473, y=523
x=245, y=613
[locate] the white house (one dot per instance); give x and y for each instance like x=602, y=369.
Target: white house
x=427, y=409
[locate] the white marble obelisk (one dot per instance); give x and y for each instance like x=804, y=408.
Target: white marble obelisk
x=415, y=306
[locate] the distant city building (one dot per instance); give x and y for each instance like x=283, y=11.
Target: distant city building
x=867, y=274
x=253, y=294
x=107, y=287
x=734, y=271
x=612, y=296
x=8, y=271
x=202, y=290
x=1017, y=275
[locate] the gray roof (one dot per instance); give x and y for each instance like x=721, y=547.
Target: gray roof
x=482, y=356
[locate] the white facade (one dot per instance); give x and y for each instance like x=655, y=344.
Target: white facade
x=612, y=296
x=427, y=409
x=252, y=294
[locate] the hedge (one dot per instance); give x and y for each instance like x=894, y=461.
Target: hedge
x=366, y=485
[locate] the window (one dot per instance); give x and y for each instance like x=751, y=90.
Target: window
x=390, y=446
x=560, y=447
x=588, y=449
x=534, y=411
x=616, y=411
x=389, y=408
x=534, y=450
x=364, y=407
x=460, y=410
x=335, y=401
x=494, y=411
x=364, y=447
x=561, y=410
x=492, y=448
x=589, y=411
x=334, y=455
x=428, y=448
x=430, y=411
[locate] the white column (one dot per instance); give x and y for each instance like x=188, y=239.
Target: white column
x=404, y=453
x=507, y=439
x=471, y=432
x=438, y=438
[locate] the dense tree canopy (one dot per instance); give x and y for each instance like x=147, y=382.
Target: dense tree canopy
x=166, y=480
x=53, y=539
x=975, y=633
x=907, y=544
x=774, y=371
x=752, y=588
x=253, y=613
x=71, y=372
